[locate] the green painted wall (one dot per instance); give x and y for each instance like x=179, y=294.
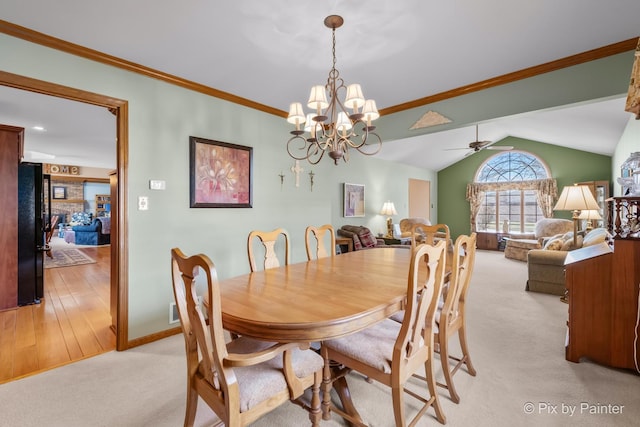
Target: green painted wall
x=566, y=165
x=161, y=119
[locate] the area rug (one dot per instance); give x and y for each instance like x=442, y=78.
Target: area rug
x=66, y=258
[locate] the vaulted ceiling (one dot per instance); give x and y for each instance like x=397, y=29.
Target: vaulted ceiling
x=409, y=56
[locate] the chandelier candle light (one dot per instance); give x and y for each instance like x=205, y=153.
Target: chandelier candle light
x=331, y=128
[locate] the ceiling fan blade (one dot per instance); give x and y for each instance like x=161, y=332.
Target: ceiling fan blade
x=500, y=147
x=459, y=148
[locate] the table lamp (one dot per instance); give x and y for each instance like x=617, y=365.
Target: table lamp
x=389, y=209
x=576, y=198
x=589, y=215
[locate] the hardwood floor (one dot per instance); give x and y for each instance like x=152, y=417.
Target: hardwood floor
x=72, y=321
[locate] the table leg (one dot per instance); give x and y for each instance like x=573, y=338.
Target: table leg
x=334, y=377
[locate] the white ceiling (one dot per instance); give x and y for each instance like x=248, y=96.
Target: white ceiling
x=272, y=52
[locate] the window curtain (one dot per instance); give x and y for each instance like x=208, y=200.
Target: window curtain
x=475, y=195
x=547, y=192
x=633, y=95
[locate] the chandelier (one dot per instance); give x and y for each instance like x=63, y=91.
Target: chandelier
x=332, y=128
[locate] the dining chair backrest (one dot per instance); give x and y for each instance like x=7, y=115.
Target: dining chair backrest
x=49, y=234
x=391, y=352
x=224, y=374
x=461, y=271
x=451, y=318
x=183, y=271
x=430, y=233
x=314, y=239
x=424, y=286
x=268, y=240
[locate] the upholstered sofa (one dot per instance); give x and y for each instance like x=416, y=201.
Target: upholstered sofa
x=519, y=245
x=96, y=233
x=546, y=265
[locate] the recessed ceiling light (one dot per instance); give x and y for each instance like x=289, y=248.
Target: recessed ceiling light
x=39, y=128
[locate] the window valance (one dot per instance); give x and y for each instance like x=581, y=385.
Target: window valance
x=547, y=192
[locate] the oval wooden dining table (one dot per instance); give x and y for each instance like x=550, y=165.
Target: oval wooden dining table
x=319, y=299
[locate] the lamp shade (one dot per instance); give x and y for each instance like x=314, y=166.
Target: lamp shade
x=589, y=214
x=318, y=98
x=370, y=111
x=296, y=115
x=354, y=98
x=343, y=124
x=576, y=198
x=388, y=209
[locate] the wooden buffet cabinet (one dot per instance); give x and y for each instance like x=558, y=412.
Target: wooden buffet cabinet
x=602, y=291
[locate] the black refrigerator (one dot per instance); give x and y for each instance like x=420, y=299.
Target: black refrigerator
x=34, y=212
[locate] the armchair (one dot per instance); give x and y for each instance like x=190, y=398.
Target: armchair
x=519, y=245
x=406, y=227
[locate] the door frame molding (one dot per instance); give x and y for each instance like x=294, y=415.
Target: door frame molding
x=119, y=245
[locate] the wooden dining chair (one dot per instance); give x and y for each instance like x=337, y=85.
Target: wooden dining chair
x=268, y=240
x=429, y=233
x=243, y=379
x=390, y=352
x=451, y=317
x=426, y=233
x=49, y=234
x=314, y=239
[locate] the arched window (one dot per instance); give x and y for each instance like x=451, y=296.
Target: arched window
x=511, y=205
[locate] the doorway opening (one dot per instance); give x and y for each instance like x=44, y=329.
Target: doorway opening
x=117, y=251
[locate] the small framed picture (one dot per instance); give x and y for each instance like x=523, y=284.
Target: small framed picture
x=59, y=192
x=353, y=200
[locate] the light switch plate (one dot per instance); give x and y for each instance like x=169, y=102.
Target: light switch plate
x=143, y=203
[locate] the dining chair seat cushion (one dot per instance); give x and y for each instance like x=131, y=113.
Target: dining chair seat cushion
x=258, y=383
x=372, y=346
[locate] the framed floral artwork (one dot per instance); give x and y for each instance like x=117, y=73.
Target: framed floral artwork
x=353, y=200
x=220, y=174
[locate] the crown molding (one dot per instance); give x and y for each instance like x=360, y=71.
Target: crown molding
x=55, y=43
x=569, y=61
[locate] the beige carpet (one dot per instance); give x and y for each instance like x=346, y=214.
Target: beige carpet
x=66, y=257
x=516, y=340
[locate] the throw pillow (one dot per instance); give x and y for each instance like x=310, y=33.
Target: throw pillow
x=595, y=236
x=554, y=244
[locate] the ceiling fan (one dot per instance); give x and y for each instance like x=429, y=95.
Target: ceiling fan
x=478, y=145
